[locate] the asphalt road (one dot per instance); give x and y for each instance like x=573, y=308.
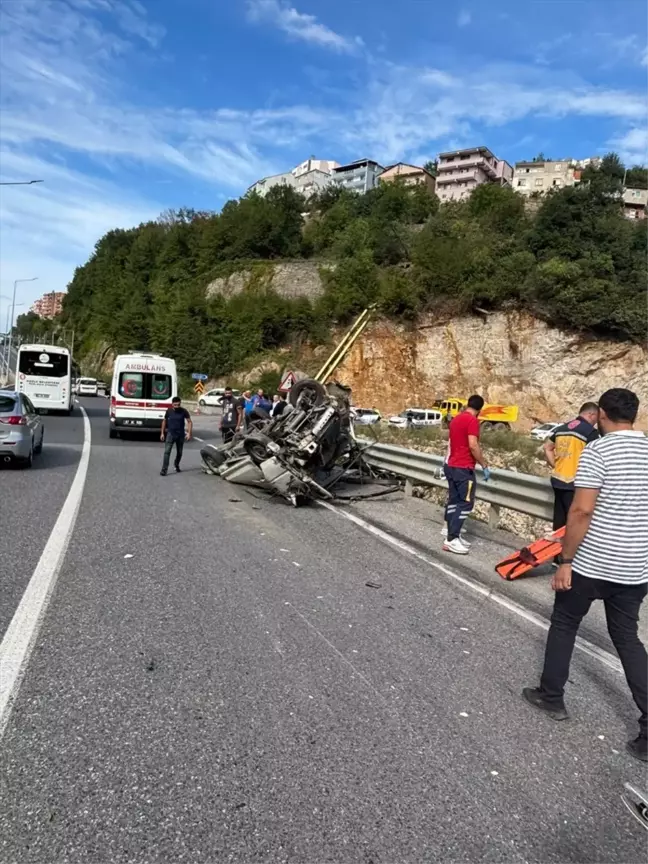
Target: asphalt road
x=214, y=680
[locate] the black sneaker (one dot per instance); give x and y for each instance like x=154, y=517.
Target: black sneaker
x=163, y=472
x=178, y=469
x=638, y=748
x=534, y=696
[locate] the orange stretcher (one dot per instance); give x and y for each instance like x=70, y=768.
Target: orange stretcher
x=536, y=553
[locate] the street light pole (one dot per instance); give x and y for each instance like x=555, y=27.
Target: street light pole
x=13, y=307
x=19, y=182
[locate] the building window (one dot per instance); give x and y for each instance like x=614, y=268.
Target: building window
x=522, y=182
x=636, y=194
x=558, y=167
x=557, y=182
x=539, y=182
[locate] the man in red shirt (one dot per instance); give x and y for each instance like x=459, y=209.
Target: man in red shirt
x=464, y=453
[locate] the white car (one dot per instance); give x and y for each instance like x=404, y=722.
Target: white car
x=87, y=387
x=365, y=416
x=417, y=417
x=541, y=433
x=213, y=397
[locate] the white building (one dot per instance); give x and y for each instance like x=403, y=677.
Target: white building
x=308, y=177
x=540, y=177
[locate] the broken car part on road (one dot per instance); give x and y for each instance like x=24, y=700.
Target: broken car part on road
x=308, y=452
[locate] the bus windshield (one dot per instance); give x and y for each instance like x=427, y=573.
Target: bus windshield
x=43, y=365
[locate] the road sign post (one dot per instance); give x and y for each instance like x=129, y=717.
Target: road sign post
x=199, y=376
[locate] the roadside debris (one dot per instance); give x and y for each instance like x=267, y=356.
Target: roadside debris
x=304, y=453
x=373, y=585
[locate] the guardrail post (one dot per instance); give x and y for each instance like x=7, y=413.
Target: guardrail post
x=409, y=488
x=493, y=516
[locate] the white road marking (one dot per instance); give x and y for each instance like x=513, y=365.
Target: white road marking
x=487, y=593
x=19, y=639
x=202, y=440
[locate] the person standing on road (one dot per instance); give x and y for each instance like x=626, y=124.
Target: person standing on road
x=604, y=557
x=459, y=469
x=231, y=417
x=173, y=432
x=562, y=451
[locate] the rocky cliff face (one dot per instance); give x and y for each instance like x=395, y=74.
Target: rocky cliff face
x=507, y=357
x=289, y=279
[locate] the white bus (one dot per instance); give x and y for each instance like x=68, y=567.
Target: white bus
x=44, y=375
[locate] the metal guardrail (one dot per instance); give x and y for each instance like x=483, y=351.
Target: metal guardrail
x=521, y=492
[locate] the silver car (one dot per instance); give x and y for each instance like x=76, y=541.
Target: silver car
x=21, y=428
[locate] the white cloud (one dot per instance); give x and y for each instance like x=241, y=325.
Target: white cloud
x=300, y=25
x=464, y=19
x=632, y=147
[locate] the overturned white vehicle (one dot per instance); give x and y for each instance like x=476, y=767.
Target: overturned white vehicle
x=302, y=454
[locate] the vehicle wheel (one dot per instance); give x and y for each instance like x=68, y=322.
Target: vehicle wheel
x=202, y=403
x=113, y=433
x=487, y=426
x=29, y=461
x=307, y=394
x=256, y=447
x=212, y=458
x=39, y=449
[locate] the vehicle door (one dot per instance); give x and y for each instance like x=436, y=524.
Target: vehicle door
x=32, y=418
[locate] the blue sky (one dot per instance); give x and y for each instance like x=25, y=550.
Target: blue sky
x=128, y=107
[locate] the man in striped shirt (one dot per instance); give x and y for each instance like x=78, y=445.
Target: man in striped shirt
x=604, y=557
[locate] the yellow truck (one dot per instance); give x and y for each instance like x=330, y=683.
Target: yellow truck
x=492, y=416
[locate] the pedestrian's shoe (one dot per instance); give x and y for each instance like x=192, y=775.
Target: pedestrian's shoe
x=163, y=472
x=535, y=697
x=462, y=537
x=638, y=748
x=455, y=546
x=177, y=469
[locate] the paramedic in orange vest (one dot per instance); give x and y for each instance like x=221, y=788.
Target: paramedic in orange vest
x=563, y=451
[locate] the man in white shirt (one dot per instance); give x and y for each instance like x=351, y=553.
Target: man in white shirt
x=604, y=557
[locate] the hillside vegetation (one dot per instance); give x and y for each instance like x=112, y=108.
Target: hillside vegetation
x=577, y=262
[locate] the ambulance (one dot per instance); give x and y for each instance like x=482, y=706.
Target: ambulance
x=140, y=393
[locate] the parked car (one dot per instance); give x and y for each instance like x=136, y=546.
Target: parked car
x=418, y=418
x=541, y=433
x=213, y=397
x=21, y=428
x=365, y=416
x=102, y=387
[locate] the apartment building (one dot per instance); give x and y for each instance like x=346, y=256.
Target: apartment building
x=412, y=175
x=308, y=177
x=326, y=166
x=540, y=177
x=459, y=172
x=635, y=202
x=359, y=176
x=50, y=305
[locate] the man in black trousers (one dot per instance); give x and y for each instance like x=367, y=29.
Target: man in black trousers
x=604, y=557
x=173, y=432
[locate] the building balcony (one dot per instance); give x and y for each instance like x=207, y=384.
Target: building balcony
x=475, y=162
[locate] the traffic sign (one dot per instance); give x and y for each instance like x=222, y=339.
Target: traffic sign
x=289, y=380
x=199, y=376
x=199, y=388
